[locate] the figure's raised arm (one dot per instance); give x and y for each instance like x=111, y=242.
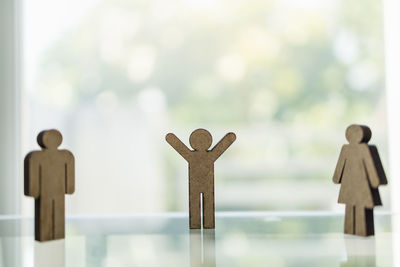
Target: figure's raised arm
x=337, y=176
x=69, y=172
x=223, y=145
x=373, y=166
x=178, y=145
x=31, y=175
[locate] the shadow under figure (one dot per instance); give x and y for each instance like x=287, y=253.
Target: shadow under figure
x=359, y=170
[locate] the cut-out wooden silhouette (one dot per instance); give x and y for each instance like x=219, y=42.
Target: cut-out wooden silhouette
x=360, y=172
x=49, y=174
x=201, y=172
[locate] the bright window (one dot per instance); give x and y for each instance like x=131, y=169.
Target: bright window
x=286, y=76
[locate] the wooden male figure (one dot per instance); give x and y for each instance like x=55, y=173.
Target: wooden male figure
x=359, y=170
x=49, y=174
x=201, y=172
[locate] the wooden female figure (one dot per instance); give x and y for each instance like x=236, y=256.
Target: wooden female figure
x=359, y=170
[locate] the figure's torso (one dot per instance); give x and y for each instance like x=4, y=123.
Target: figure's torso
x=52, y=174
x=355, y=185
x=201, y=171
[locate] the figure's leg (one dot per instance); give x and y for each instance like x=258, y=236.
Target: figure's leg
x=194, y=210
x=363, y=225
x=59, y=217
x=349, y=220
x=369, y=218
x=208, y=210
x=43, y=219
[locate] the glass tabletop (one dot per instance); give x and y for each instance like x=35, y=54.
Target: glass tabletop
x=239, y=239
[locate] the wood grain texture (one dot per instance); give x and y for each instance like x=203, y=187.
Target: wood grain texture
x=201, y=172
x=49, y=174
x=359, y=171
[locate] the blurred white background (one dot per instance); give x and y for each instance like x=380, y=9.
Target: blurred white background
x=286, y=76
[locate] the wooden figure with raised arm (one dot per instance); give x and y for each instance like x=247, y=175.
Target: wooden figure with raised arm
x=201, y=172
x=49, y=174
x=359, y=170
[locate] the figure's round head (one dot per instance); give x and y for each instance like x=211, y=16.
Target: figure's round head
x=356, y=134
x=50, y=139
x=200, y=140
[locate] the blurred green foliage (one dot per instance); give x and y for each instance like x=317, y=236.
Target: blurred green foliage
x=278, y=59
x=296, y=71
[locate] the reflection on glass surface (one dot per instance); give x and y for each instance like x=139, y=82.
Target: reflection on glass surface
x=9, y=248
x=49, y=254
x=202, y=247
x=240, y=239
x=396, y=239
x=96, y=250
x=10, y=245
x=360, y=251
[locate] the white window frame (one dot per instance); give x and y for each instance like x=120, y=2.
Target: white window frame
x=392, y=73
x=10, y=89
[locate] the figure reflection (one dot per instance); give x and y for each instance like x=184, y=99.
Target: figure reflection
x=49, y=254
x=202, y=247
x=360, y=251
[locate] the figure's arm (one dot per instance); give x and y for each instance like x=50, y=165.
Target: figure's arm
x=223, y=145
x=373, y=166
x=178, y=145
x=69, y=173
x=31, y=175
x=338, y=174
